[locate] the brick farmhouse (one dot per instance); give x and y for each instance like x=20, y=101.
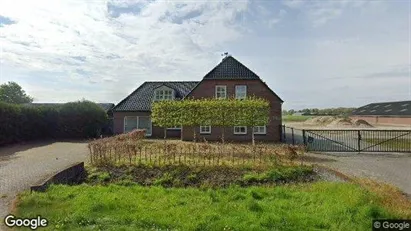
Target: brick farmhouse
x=229, y=78
x=386, y=113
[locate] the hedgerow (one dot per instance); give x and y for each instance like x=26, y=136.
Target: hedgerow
x=82, y=119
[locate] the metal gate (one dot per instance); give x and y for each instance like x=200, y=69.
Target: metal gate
x=349, y=140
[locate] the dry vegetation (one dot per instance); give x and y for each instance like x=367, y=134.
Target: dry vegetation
x=132, y=148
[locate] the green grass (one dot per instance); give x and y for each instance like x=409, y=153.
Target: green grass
x=295, y=118
x=199, y=176
x=329, y=206
x=391, y=144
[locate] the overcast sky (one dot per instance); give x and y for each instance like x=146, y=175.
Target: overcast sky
x=311, y=53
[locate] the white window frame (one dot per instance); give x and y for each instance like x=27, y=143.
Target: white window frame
x=205, y=132
x=175, y=128
x=260, y=132
x=240, y=133
x=245, y=93
x=225, y=91
x=138, y=119
x=160, y=93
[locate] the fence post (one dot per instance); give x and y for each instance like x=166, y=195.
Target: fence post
x=284, y=131
x=304, y=138
x=292, y=135
x=359, y=140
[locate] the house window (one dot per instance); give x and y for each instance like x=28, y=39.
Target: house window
x=240, y=91
x=259, y=130
x=130, y=123
x=163, y=94
x=205, y=129
x=177, y=127
x=221, y=91
x=240, y=130
x=137, y=122
x=144, y=122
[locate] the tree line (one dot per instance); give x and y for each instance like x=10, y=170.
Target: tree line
x=339, y=111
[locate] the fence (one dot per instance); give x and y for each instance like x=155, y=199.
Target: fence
x=197, y=154
x=349, y=140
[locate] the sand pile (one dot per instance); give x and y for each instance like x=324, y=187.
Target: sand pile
x=361, y=123
x=319, y=120
x=340, y=122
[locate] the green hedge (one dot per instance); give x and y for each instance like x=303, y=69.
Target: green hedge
x=82, y=119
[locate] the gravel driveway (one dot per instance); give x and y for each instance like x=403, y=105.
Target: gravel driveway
x=24, y=165
x=391, y=168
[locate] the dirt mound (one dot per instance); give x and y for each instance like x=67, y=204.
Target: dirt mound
x=340, y=122
x=319, y=120
x=361, y=123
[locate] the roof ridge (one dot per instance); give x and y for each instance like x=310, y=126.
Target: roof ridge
x=237, y=70
x=401, y=101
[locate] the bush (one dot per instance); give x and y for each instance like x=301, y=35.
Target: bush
x=81, y=119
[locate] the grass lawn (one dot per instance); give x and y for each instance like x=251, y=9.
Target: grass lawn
x=397, y=144
x=295, y=118
x=322, y=205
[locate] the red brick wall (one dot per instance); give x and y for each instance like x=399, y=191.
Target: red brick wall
x=206, y=89
x=385, y=120
x=158, y=132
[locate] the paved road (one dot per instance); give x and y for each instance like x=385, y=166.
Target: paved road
x=394, y=169
x=24, y=165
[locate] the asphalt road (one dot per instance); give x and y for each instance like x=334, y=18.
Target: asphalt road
x=391, y=168
x=24, y=165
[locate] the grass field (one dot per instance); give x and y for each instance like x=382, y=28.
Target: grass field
x=330, y=206
x=396, y=144
x=295, y=118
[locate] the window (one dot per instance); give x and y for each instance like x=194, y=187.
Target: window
x=137, y=122
x=389, y=105
x=205, y=129
x=130, y=123
x=177, y=127
x=259, y=129
x=144, y=122
x=163, y=94
x=240, y=130
x=240, y=91
x=221, y=91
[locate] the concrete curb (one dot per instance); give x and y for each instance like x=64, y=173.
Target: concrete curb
x=71, y=175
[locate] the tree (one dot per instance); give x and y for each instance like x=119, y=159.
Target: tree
x=213, y=112
x=11, y=92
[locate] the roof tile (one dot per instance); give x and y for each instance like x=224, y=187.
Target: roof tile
x=142, y=98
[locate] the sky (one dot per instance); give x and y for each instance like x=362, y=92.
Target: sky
x=313, y=54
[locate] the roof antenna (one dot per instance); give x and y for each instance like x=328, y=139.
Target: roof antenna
x=225, y=54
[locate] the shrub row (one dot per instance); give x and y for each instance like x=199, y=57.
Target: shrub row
x=82, y=119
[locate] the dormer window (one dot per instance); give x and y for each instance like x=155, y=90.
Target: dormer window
x=163, y=93
x=240, y=91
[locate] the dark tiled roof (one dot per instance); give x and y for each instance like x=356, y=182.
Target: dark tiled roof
x=106, y=106
x=400, y=108
x=230, y=68
x=142, y=98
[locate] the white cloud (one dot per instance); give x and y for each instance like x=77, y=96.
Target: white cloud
x=124, y=50
x=329, y=53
